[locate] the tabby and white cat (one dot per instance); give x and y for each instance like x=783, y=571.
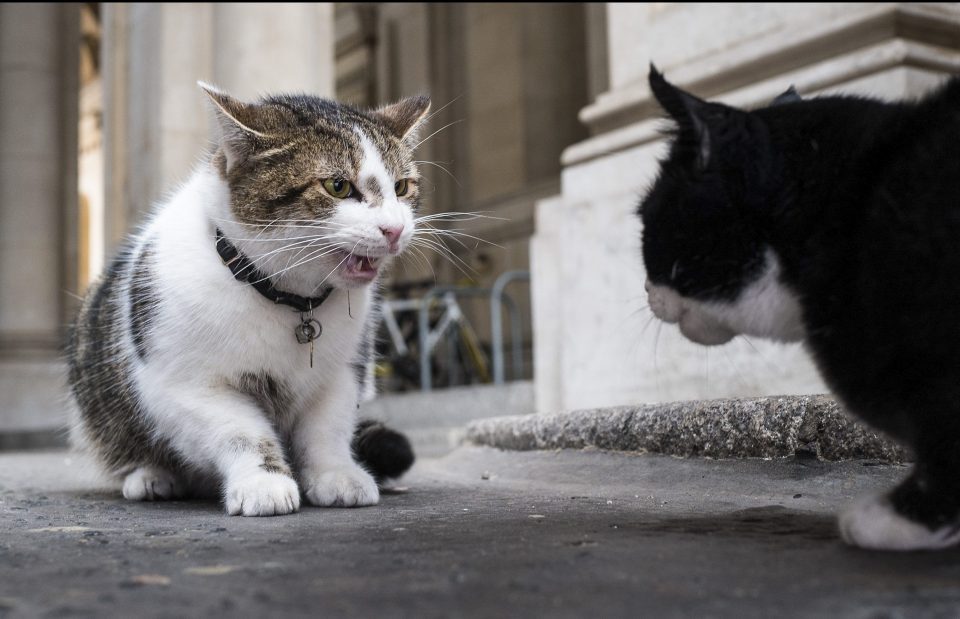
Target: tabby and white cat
x=222, y=348
x=834, y=221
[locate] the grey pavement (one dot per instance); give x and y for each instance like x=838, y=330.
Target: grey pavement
x=477, y=533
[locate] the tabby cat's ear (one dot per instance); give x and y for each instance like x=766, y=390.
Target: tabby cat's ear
x=405, y=116
x=237, y=120
x=691, y=113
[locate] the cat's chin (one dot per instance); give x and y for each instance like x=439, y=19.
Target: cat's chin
x=700, y=329
x=347, y=282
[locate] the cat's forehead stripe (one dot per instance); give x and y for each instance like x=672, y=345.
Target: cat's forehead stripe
x=373, y=173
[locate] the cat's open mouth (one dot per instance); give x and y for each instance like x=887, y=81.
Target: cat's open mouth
x=362, y=268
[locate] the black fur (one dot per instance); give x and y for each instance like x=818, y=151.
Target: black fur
x=860, y=201
x=143, y=301
x=99, y=376
x=385, y=453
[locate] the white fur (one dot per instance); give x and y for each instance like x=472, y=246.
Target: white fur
x=764, y=308
x=262, y=494
x=392, y=211
x=150, y=483
x=373, y=167
x=210, y=329
x=872, y=523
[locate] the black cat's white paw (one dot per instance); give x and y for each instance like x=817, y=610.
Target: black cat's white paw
x=873, y=523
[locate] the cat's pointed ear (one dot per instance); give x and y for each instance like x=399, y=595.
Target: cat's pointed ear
x=790, y=95
x=689, y=111
x=237, y=121
x=405, y=116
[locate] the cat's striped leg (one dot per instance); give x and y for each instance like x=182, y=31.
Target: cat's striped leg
x=222, y=429
x=322, y=439
x=257, y=479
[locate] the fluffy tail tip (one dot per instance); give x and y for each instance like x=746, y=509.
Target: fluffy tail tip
x=386, y=453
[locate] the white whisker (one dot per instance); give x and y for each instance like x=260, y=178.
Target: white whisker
x=313, y=256
x=435, y=133
x=455, y=233
x=445, y=252
x=335, y=268
x=438, y=110
x=449, y=173
x=458, y=216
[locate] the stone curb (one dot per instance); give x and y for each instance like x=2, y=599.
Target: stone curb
x=767, y=427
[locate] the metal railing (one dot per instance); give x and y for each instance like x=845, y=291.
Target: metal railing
x=454, y=326
x=497, y=299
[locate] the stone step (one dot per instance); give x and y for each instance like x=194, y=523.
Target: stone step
x=767, y=427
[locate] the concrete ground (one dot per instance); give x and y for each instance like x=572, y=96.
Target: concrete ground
x=478, y=533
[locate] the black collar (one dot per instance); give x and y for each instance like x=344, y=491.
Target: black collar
x=244, y=271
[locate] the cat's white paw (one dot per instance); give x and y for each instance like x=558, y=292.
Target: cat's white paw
x=871, y=522
x=149, y=483
x=344, y=488
x=262, y=494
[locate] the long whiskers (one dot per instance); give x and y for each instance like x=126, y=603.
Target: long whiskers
x=301, y=245
x=422, y=257
x=455, y=234
x=446, y=253
x=448, y=172
x=441, y=108
x=317, y=287
x=456, y=122
x=310, y=257
x=458, y=216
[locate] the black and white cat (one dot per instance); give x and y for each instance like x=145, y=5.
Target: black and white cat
x=834, y=221
x=219, y=350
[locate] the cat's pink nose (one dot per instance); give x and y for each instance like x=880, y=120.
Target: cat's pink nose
x=392, y=235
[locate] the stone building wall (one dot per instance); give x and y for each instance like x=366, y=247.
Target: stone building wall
x=39, y=44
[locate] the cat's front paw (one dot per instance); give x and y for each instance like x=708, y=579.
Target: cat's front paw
x=343, y=488
x=262, y=494
x=873, y=523
x=149, y=483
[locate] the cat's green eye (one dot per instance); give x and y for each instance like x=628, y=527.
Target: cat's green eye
x=401, y=187
x=338, y=188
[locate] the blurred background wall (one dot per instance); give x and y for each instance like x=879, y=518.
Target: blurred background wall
x=544, y=125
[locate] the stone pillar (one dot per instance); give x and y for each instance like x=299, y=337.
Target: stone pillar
x=38, y=187
x=524, y=76
x=261, y=48
x=157, y=124
x=596, y=343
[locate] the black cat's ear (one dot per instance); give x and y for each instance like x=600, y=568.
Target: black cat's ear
x=405, y=117
x=790, y=95
x=690, y=112
x=238, y=124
